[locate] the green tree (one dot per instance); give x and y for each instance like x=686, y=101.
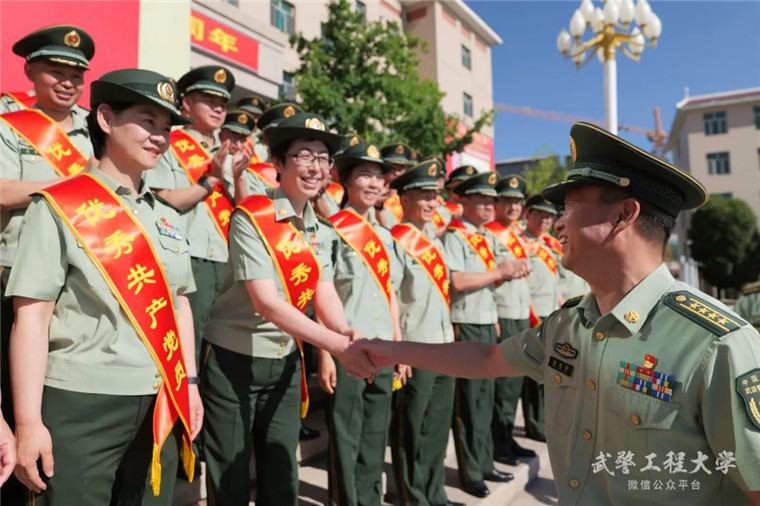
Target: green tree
x=724, y=240
x=362, y=78
x=547, y=168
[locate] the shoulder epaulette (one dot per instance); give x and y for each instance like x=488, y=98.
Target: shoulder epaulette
x=573, y=301
x=751, y=289
x=164, y=201
x=703, y=313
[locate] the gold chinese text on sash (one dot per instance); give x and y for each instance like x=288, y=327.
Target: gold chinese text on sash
x=23, y=98
x=121, y=250
x=553, y=243
x=393, y=205
x=363, y=239
x=195, y=160
x=265, y=172
x=542, y=251
x=426, y=254
x=477, y=242
x=336, y=192
x=49, y=139
x=294, y=261
x=509, y=238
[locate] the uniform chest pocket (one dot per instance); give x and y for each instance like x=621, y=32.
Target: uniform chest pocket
x=561, y=395
x=350, y=263
x=642, y=411
x=176, y=246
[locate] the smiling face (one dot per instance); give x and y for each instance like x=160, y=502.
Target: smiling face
x=539, y=222
x=207, y=110
x=237, y=140
x=508, y=209
x=136, y=136
x=297, y=180
x=478, y=208
x=58, y=86
x=365, y=185
x=419, y=205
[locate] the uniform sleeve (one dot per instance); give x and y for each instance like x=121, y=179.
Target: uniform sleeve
x=10, y=161
x=227, y=181
x=39, y=270
x=525, y=351
x=249, y=256
x=730, y=404
x=325, y=252
x=161, y=177
x=187, y=282
x=454, y=247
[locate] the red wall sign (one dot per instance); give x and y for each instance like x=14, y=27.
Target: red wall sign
x=223, y=41
x=114, y=25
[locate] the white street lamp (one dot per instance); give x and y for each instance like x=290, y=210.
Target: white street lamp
x=610, y=28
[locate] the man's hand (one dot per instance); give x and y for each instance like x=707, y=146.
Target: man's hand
x=196, y=412
x=34, y=443
x=326, y=373
x=240, y=161
x=378, y=350
x=402, y=372
x=217, y=162
x=356, y=361
x=7, y=451
x=513, y=269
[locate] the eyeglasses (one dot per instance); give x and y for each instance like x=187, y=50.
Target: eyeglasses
x=306, y=159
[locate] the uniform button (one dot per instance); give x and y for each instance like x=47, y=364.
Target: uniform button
x=599, y=336
x=635, y=420
x=586, y=434
x=375, y=295
x=283, y=343
x=557, y=379
x=134, y=211
x=176, y=250
x=377, y=317
x=156, y=385
x=574, y=483
x=279, y=353
x=591, y=385
x=157, y=375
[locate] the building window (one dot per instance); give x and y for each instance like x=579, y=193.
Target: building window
x=717, y=164
x=361, y=9
x=287, y=89
x=466, y=58
x=283, y=16
x=757, y=116
x=467, y=105
x=715, y=123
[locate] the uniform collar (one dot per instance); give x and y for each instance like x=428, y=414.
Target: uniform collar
x=79, y=120
x=470, y=226
x=371, y=218
x=633, y=310
x=123, y=191
x=197, y=136
x=428, y=229
x=283, y=209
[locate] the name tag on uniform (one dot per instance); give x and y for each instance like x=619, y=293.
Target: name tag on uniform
x=561, y=366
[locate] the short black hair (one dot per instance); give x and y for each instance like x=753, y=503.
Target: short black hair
x=97, y=135
x=654, y=224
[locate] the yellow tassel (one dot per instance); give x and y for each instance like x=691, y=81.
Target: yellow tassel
x=397, y=385
x=155, y=470
x=304, y=407
x=188, y=459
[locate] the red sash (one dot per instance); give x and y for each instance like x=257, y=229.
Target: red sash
x=49, y=139
x=438, y=220
x=509, y=238
x=23, y=98
x=427, y=255
x=553, y=243
x=295, y=263
x=263, y=172
x=393, y=205
x=196, y=161
x=121, y=249
x=336, y=191
x=454, y=208
x=477, y=242
x=363, y=239
x=542, y=252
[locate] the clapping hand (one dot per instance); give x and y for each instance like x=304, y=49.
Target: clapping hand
x=240, y=160
x=7, y=452
x=513, y=269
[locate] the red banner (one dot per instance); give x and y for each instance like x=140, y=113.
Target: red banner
x=223, y=41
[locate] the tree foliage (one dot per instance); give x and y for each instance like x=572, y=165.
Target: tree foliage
x=363, y=78
x=724, y=240
x=547, y=168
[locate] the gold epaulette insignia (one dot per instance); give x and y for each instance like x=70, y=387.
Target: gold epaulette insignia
x=573, y=301
x=703, y=313
x=751, y=289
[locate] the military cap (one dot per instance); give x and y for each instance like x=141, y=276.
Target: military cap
x=252, y=105
x=138, y=86
x=357, y=153
x=421, y=176
x=603, y=158
x=462, y=173
x=211, y=79
x=483, y=183
x=511, y=185
x=348, y=141
x=398, y=153
x=276, y=113
x=237, y=120
x=65, y=44
x=539, y=203
x=301, y=126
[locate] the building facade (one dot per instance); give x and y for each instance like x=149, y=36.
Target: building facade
x=252, y=38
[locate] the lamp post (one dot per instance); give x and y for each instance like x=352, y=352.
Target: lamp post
x=619, y=24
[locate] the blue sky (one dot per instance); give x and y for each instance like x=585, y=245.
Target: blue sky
x=705, y=46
